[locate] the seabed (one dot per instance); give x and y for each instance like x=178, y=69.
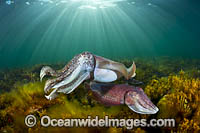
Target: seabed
x=173, y=84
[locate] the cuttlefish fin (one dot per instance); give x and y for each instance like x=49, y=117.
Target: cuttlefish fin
x=132, y=71
x=68, y=88
x=119, y=68
x=46, y=70
x=104, y=75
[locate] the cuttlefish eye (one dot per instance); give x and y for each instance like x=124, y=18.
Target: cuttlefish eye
x=138, y=101
x=87, y=63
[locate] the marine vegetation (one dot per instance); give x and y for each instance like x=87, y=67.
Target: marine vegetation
x=173, y=85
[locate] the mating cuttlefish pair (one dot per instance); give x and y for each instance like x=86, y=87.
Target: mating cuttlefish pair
x=87, y=66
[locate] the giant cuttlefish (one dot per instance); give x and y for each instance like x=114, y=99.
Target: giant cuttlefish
x=82, y=67
x=116, y=94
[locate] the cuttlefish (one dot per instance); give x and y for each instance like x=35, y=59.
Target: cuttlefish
x=116, y=94
x=83, y=67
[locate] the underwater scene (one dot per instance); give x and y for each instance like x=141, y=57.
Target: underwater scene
x=122, y=62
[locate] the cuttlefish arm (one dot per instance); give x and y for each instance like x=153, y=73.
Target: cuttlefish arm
x=116, y=94
x=119, y=68
x=71, y=76
x=47, y=70
x=68, y=88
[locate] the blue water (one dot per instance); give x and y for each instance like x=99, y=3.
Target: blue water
x=51, y=31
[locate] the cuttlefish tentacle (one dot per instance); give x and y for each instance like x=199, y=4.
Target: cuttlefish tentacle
x=119, y=68
x=46, y=70
x=116, y=94
x=71, y=76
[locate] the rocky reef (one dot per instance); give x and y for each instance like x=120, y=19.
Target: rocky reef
x=173, y=84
